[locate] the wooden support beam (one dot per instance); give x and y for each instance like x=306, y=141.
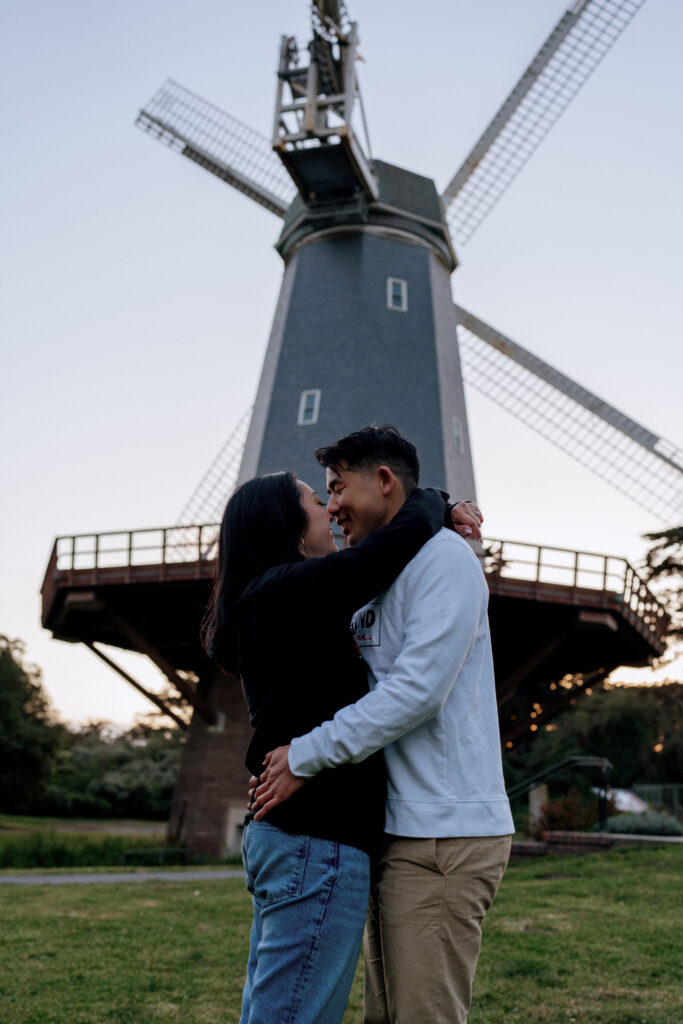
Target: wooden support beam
x=142, y=644
x=507, y=687
x=550, y=710
x=138, y=686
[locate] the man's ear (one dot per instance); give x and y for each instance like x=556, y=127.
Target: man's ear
x=386, y=480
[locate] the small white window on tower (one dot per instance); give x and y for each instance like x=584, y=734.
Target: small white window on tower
x=309, y=404
x=458, y=435
x=397, y=294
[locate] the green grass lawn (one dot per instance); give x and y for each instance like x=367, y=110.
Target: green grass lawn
x=594, y=940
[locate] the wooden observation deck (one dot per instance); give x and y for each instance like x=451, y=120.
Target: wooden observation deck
x=561, y=620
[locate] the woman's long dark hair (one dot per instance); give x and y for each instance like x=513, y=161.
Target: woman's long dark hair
x=262, y=526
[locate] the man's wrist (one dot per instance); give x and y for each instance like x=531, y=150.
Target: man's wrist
x=303, y=757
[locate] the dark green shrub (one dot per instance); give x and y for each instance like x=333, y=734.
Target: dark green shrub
x=101, y=775
x=650, y=823
x=59, y=850
x=30, y=739
x=571, y=812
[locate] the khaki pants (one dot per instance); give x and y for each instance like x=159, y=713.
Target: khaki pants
x=423, y=933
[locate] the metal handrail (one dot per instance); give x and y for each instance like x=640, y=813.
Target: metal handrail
x=615, y=574
x=603, y=765
x=557, y=770
x=169, y=544
x=503, y=559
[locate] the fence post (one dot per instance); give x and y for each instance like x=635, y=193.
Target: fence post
x=602, y=800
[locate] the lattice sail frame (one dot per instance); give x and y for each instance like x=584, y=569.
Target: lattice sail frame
x=244, y=158
x=575, y=47
x=220, y=143
x=195, y=535
x=645, y=467
x=208, y=499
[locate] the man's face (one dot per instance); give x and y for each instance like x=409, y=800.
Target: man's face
x=356, y=501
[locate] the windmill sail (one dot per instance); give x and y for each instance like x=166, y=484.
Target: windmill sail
x=206, y=503
x=625, y=454
x=570, y=54
x=218, y=142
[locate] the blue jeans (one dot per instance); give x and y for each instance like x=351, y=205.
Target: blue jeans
x=310, y=899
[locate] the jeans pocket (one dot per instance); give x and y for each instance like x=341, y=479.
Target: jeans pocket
x=274, y=861
x=245, y=861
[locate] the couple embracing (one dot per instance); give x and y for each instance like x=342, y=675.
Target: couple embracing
x=378, y=799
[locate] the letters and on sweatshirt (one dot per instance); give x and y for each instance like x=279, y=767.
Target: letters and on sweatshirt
x=432, y=704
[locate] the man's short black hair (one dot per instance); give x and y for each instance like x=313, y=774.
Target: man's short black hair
x=371, y=447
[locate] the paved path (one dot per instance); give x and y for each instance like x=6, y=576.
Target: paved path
x=123, y=876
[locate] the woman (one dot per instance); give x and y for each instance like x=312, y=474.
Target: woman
x=279, y=617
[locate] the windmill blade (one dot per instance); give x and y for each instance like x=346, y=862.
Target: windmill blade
x=633, y=459
x=207, y=501
x=570, y=54
x=218, y=142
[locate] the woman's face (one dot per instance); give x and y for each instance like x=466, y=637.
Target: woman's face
x=317, y=539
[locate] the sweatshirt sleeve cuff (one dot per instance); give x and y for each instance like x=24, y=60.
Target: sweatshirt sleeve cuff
x=304, y=757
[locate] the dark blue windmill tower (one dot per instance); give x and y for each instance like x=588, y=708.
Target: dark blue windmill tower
x=365, y=321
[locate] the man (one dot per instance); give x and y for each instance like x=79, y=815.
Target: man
x=432, y=706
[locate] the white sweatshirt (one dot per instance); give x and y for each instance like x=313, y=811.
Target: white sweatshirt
x=432, y=704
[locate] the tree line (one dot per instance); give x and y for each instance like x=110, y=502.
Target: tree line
x=638, y=728
x=48, y=768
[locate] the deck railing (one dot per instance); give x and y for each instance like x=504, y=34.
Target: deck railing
x=580, y=570
x=164, y=545
x=503, y=560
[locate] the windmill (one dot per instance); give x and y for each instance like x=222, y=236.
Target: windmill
x=364, y=242
x=366, y=329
